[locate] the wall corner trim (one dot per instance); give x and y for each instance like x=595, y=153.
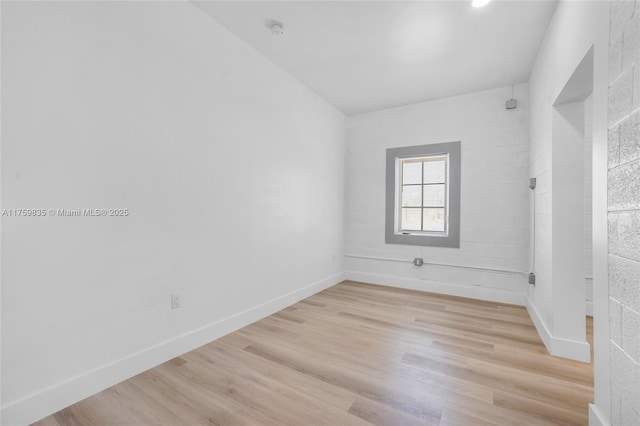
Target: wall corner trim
x=54, y=398
x=556, y=346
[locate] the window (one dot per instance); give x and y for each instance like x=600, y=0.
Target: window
x=423, y=195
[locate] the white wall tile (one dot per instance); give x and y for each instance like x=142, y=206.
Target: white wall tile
x=615, y=321
x=627, y=241
x=631, y=332
x=624, y=276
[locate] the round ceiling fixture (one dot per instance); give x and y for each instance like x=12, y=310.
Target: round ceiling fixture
x=276, y=28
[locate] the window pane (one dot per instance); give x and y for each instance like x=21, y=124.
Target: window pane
x=412, y=196
x=434, y=171
x=411, y=173
x=434, y=195
x=433, y=220
x=410, y=220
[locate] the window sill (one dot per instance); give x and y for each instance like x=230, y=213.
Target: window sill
x=424, y=234
x=431, y=240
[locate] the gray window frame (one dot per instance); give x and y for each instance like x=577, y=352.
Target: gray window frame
x=452, y=236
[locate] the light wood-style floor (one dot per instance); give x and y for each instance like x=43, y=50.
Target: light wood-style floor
x=357, y=354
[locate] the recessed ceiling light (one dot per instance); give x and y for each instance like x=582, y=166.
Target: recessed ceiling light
x=479, y=3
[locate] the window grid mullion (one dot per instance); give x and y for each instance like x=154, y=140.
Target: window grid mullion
x=424, y=184
x=401, y=220
x=422, y=200
x=446, y=195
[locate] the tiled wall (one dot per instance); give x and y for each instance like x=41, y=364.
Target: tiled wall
x=624, y=211
x=575, y=29
x=541, y=97
x=495, y=196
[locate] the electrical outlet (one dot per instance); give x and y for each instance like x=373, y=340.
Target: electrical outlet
x=175, y=301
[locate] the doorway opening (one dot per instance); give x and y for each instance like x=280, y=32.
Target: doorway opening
x=572, y=224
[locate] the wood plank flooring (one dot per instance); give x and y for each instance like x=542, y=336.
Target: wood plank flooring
x=358, y=354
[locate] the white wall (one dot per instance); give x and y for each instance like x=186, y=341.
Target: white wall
x=494, y=195
x=567, y=336
x=574, y=29
x=1, y=273
x=588, y=204
x=232, y=171
x=624, y=212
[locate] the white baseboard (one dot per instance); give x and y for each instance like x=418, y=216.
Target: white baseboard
x=596, y=418
x=572, y=349
x=54, y=398
x=474, y=292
